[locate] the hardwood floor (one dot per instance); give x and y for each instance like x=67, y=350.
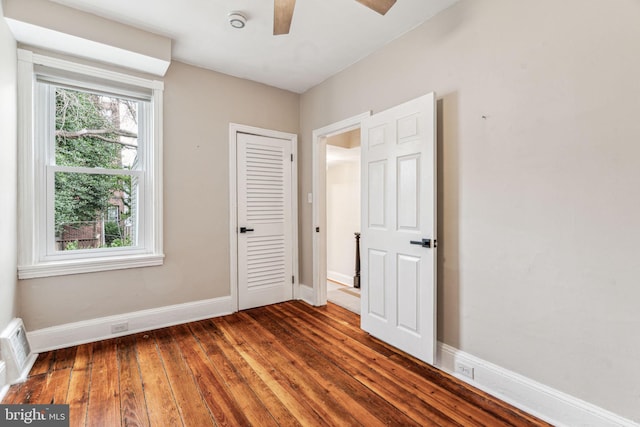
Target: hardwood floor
x=286, y=364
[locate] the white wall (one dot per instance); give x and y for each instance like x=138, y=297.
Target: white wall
x=343, y=219
x=8, y=175
x=539, y=158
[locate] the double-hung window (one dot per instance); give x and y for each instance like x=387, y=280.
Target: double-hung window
x=90, y=168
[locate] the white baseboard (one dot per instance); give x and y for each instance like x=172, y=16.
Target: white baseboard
x=92, y=330
x=549, y=404
x=306, y=294
x=340, y=278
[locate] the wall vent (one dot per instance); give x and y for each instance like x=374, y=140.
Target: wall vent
x=16, y=352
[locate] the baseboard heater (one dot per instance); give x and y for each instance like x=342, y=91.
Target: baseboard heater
x=16, y=352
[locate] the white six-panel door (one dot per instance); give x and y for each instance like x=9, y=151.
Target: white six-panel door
x=265, y=231
x=398, y=208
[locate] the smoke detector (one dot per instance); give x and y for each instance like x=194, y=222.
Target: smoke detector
x=237, y=20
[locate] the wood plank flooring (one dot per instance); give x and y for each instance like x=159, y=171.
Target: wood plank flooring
x=288, y=364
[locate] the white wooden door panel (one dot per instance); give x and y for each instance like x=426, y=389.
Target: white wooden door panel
x=377, y=194
x=265, y=253
x=399, y=207
x=408, y=192
x=408, y=293
x=377, y=280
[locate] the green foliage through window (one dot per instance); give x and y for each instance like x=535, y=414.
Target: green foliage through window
x=99, y=132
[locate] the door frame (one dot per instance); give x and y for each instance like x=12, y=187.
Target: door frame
x=319, y=207
x=234, y=129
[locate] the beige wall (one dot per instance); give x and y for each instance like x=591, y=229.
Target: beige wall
x=8, y=177
x=343, y=219
x=539, y=170
x=348, y=139
x=198, y=107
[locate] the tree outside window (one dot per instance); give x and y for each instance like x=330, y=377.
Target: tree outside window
x=94, y=132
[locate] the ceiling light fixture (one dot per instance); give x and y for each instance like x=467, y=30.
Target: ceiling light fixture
x=237, y=20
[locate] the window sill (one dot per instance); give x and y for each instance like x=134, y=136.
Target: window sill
x=63, y=268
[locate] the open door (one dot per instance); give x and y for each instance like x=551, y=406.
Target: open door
x=399, y=227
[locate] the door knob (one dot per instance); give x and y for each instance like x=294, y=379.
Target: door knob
x=245, y=229
x=425, y=243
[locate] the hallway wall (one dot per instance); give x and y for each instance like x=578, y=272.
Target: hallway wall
x=343, y=219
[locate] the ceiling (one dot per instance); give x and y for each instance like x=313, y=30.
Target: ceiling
x=326, y=35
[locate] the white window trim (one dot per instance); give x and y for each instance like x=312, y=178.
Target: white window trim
x=32, y=228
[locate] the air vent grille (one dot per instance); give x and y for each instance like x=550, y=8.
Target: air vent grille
x=16, y=351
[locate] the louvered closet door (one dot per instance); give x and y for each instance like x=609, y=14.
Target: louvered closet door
x=265, y=229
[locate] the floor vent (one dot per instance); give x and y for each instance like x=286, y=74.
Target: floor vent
x=16, y=352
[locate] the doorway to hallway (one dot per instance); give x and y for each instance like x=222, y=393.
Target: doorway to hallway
x=345, y=256
x=398, y=209
x=342, y=195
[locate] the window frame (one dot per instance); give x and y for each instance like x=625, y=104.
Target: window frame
x=36, y=211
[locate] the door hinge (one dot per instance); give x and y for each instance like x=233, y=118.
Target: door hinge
x=292, y=157
x=317, y=229
x=293, y=279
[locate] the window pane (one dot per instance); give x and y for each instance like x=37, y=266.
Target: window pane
x=95, y=211
x=95, y=130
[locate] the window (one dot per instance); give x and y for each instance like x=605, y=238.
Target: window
x=90, y=168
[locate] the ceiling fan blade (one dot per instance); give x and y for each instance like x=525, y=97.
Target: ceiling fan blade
x=380, y=6
x=282, y=15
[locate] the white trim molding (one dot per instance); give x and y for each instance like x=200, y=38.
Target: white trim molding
x=340, y=278
x=88, y=266
x=544, y=402
x=37, y=257
x=306, y=294
x=76, y=333
x=319, y=208
x=74, y=67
